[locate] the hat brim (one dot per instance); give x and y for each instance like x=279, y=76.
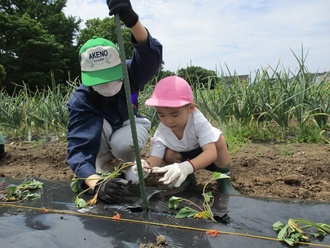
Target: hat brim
x=91, y=78
x=166, y=103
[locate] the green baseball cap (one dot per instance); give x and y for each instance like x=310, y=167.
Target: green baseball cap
x=99, y=62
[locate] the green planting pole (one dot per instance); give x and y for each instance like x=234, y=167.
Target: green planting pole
x=130, y=111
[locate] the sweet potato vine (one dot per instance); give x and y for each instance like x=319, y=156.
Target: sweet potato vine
x=205, y=211
x=75, y=185
x=26, y=190
x=298, y=230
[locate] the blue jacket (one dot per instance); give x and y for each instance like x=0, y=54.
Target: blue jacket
x=87, y=108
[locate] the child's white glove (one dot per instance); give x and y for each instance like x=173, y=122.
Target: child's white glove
x=175, y=173
x=146, y=168
x=131, y=173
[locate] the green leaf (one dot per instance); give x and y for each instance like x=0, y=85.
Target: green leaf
x=216, y=175
x=26, y=194
x=23, y=191
x=34, y=196
x=11, y=190
x=186, y=212
x=286, y=235
x=30, y=185
x=278, y=226
x=174, y=202
x=74, y=185
x=208, y=197
x=80, y=203
x=219, y=175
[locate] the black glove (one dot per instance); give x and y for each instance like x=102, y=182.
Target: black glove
x=111, y=190
x=125, y=11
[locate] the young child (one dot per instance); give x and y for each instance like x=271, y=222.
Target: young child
x=184, y=140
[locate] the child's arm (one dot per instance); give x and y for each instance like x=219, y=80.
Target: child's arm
x=154, y=161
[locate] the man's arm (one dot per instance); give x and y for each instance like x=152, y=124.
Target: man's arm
x=139, y=32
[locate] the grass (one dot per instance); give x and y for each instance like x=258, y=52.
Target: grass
x=275, y=106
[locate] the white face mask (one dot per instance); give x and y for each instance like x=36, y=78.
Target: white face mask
x=108, y=89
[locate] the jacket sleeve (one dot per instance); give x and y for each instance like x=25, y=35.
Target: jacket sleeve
x=84, y=135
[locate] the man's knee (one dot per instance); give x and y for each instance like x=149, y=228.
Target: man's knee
x=122, y=146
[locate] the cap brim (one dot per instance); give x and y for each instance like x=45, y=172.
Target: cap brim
x=91, y=78
x=165, y=103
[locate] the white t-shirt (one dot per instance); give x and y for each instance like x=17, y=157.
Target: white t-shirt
x=197, y=133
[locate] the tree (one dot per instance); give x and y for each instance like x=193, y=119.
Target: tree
x=35, y=39
x=198, y=77
x=105, y=28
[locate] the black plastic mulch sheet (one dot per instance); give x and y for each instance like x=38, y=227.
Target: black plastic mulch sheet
x=53, y=221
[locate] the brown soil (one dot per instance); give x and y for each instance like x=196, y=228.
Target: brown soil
x=299, y=171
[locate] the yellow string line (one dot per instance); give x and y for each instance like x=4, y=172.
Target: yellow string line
x=46, y=210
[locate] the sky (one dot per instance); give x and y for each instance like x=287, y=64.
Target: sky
x=231, y=36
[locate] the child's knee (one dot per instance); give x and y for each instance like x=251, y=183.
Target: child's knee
x=171, y=157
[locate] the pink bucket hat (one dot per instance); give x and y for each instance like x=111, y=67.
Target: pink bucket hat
x=172, y=92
